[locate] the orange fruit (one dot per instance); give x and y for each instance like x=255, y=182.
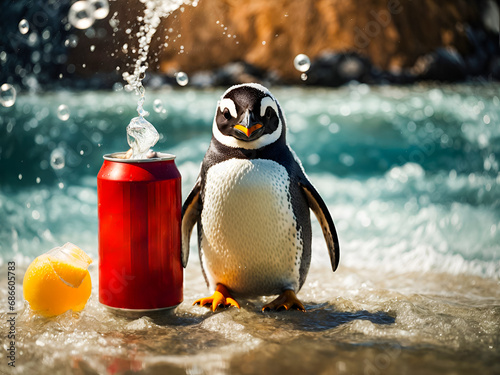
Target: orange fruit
x=58, y=281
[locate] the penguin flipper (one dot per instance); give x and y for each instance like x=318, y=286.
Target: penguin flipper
x=191, y=213
x=318, y=206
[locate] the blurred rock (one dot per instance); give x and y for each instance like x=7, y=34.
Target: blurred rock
x=222, y=42
x=445, y=64
x=336, y=69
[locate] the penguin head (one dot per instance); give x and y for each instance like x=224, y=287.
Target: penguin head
x=248, y=116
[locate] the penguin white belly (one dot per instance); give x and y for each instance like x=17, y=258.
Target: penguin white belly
x=249, y=238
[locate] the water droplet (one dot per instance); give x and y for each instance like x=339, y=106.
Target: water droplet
x=334, y=128
x=182, y=78
x=72, y=41
x=81, y=15
x=35, y=214
x=63, y=112
x=24, y=26
x=46, y=34
x=101, y=8
x=302, y=62
x=7, y=95
x=158, y=106
x=57, y=159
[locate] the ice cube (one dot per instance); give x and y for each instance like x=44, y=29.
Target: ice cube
x=141, y=136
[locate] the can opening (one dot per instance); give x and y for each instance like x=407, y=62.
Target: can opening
x=120, y=158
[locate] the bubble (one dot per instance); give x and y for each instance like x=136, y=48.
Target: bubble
x=334, y=128
x=117, y=86
x=7, y=95
x=81, y=15
x=101, y=8
x=182, y=78
x=157, y=105
x=63, y=112
x=46, y=34
x=302, y=62
x=24, y=26
x=303, y=77
x=57, y=159
x=346, y=159
x=72, y=41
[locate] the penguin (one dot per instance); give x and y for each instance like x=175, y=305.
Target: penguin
x=251, y=205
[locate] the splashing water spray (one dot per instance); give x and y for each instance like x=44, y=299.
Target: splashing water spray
x=141, y=134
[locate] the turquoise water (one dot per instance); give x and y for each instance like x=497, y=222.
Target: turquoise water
x=411, y=177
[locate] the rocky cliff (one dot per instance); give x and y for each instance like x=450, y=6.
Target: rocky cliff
x=222, y=41
x=269, y=34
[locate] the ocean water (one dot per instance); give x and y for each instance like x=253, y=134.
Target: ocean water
x=410, y=175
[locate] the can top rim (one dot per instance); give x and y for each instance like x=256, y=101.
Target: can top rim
x=119, y=157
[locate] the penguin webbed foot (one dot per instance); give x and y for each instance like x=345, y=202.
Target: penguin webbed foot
x=285, y=301
x=221, y=297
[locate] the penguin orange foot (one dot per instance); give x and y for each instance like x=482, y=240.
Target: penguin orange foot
x=286, y=300
x=221, y=297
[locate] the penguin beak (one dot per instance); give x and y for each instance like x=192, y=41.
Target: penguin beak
x=248, y=125
x=248, y=131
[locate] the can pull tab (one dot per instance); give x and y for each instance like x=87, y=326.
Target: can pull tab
x=70, y=263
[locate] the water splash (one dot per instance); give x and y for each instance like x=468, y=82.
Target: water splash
x=141, y=134
x=141, y=137
x=154, y=12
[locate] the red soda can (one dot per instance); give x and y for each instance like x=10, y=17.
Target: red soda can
x=139, y=211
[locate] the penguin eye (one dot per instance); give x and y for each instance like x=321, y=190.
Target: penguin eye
x=267, y=107
x=269, y=112
x=227, y=108
x=226, y=114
